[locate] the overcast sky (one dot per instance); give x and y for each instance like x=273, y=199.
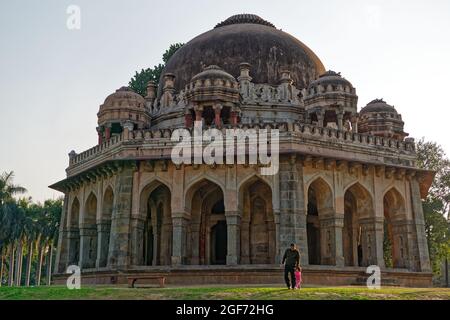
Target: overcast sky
x=52, y=79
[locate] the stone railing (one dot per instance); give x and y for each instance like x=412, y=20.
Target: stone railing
x=95, y=151
x=295, y=129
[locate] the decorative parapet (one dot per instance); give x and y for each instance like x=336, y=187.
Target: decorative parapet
x=94, y=151
x=308, y=134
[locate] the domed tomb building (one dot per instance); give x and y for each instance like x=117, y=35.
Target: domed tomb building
x=347, y=190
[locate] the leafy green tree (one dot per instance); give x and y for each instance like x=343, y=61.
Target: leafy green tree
x=436, y=206
x=140, y=80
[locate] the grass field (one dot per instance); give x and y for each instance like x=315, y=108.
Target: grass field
x=225, y=292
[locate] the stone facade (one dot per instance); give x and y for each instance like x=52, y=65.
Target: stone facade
x=348, y=199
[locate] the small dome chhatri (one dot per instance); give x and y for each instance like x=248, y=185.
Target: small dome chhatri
x=378, y=105
x=214, y=71
x=244, y=18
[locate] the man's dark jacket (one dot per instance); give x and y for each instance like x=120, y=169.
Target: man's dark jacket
x=291, y=257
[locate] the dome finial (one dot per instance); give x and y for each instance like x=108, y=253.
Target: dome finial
x=244, y=18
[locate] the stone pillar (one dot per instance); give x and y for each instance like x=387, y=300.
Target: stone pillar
x=179, y=224
x=73, y=244
x=168, y=89
x=118, y=257
x=245, y=241
x=108, y=131
x=62, y=254
x=137, y=236
x=100, y=135
x=88, y=246
x=217, y=119
x=372, y=241
x=320, y=118
x=292, y=218
x=340, y=120
x=103, y=233
x=195, y=238
x=233, y=237
x=331, y=239
x=244, y=80
x=419, y=221
x=151, y=95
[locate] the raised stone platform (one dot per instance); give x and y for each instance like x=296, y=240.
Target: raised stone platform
x=252, y=274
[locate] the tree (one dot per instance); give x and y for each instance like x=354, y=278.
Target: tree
x=7, y=188
x=140, y=80
x=436, y=206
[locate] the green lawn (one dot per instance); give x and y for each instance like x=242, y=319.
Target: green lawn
x=224, y=292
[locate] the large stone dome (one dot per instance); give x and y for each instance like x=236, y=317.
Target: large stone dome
x=245, y=38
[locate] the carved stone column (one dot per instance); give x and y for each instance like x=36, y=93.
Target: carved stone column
x=372, y=236
x=320, y=118
x=179, y=224
x=419, y=222
x=73, y=245
x=137, y=238
x=88, y=246
x=233, y=237
x=331, y=239
x=103, y=233
x=217, y=119
x=195, y=238
x=120, y=225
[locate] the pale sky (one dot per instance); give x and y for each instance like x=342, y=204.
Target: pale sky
x=52, y=79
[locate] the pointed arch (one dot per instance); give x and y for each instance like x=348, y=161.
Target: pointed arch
x=90, y=209
x=356, y=243
x=395, y=247
x=258, y=230
x=320, y=203
x=152, y=242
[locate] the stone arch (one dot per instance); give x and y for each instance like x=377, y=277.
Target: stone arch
x=207, y=229
x=145, y=192
x=153, y=233
x=356, y=241
x=104, y=226
x=195, y=184
x=320, y=206
x=395, y=229
x=75, y=213
x=88, y=232
x=258, y=229
x=74, y=232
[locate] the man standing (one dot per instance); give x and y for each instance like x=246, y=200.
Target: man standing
x=291, y=259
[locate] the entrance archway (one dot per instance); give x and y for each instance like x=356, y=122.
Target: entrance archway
x=320, y=203
x=74, y=236
x=155, y=238
x=358, y=205
x=89, y=232
x=258, y=238
x=395, y=238
x=207, y=231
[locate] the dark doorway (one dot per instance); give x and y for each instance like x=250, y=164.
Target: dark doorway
x=219, y=243
x=312, y=229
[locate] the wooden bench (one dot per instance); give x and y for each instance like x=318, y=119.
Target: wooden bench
x=132, y=280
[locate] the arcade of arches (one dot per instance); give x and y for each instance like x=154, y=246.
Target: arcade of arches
x=345, y=228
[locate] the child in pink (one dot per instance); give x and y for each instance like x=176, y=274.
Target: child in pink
x=298, y=277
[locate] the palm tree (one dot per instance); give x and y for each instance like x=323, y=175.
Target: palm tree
x=7, y=189
x=8, y=211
